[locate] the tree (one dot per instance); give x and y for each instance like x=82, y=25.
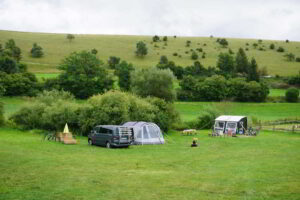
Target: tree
x=225, y=63
x=155, y=38
x=123, y=71
x=94, y=51
x=163, y=60
x=36, y=51
x=241, y=62
x=113, y=61
x=84, y=75
x=12, y=50
x=154, y=82
x=194, y=56
x=223, y=42
x=70, y=37
x=253, y=74
x=141, y=49
x=255, y=45
x=280, y=49
x=292, y=94
x=290, y=56
x=165, y=38
x=272, y=46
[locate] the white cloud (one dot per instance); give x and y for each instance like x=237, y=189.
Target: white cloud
x=276, y=19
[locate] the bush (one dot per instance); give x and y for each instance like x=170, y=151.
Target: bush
x=280, y=49
x=272, y=46
x=36, y=51
x=207, y=118
x=298, y=59
x=292, y=94
x=194, y=56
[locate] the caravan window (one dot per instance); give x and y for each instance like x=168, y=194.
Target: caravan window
x=220, y=124
x=231, y=125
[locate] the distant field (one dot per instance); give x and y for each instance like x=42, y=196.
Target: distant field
x=262, y=111
x=277, y=92
x=262, y=167
x=41, y=76
x=56, y=47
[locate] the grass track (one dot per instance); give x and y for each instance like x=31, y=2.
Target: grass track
x=263, y=167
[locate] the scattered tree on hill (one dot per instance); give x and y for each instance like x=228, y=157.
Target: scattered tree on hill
x=194, y=56
x=255, y=45
x=12, y=50
x=280, y=49
x=223, y=42
x=259, y=41
x=94, y=51
x=163, y=60
x=188, y=43
x=154, y=82
x=36, y=51
x=141, y=49
x=113, y=61
x=253, y=74
x=70, y=37
x=298, y=59
x=287, y=41
x=272, y=46
x=83, y=75
x=123, y=71
x=155, y=38
x=241, y=62
x=165, y=38
x=290, y=56
x=225, y=63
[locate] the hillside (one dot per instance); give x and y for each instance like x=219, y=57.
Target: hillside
x=56, y=47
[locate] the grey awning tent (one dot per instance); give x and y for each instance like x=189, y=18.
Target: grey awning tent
x=146, y=132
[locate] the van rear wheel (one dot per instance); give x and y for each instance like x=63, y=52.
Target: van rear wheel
x=108, y=145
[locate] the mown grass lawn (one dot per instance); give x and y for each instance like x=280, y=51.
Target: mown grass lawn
x=262, y=167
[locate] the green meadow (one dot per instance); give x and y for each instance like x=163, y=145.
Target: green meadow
x=56, y=47
x=262, y=167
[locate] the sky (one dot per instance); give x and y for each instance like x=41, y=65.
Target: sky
x=259, y=19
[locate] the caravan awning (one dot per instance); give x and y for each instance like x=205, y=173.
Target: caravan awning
x=230, y=118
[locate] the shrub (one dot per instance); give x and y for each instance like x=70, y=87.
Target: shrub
x=280, y=49
x=36, y=51
x=155, y=38
x=113, y=61
x=272, y=46
x=290, y=56
x=194, y=56
x=175, y=54
x=292, y=94
x=94, y=51
x=165, y=38
x=207, y=118
x=298, y=59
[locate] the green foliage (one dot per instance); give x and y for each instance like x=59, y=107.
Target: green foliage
x=113, y=61
x=178, y=71
x=51, y=96
x=294, y=80
x=253, y=74
x=70, y=37
x=292, y=94
x=226, y=63
x=255, y=45
x=154, y=82
x=141, y=49
x=163, y=60
x=8, y=65
x=223, y=42
x=94, y=51
x=241, y=62
x=12, y=50
x=165, y=38
x=290, y=56
x=207, y=118
x=123, y=71
x=84, y=75
x=155, y=38
x=298, y=59
x=280, y=49
x=194, y=56
x=36, y=51
x=272, y=46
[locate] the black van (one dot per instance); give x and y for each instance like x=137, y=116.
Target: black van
x=111, y=136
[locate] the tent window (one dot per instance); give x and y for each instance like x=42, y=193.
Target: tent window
x=153, y=132
x=139, y=135
x=231, y=125
x=220, y=124
x=145, y=133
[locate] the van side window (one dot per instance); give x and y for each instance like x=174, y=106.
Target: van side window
x=103, y=130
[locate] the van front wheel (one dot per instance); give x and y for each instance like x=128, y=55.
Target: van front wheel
x=108, y=145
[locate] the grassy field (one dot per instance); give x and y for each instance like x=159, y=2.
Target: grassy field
x=262, y=167
x=56, y=47
x=277, y=92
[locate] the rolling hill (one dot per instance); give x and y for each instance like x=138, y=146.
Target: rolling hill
x=56, y=47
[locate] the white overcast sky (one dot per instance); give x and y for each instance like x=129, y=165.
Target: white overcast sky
x=263, y=19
